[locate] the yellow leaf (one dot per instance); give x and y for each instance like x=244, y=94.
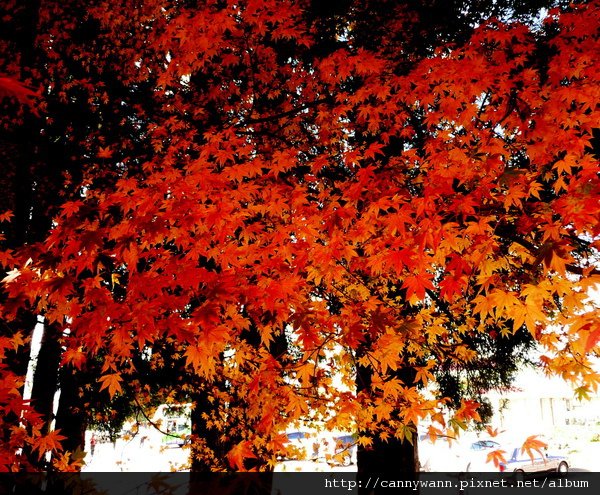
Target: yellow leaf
x=11, y=275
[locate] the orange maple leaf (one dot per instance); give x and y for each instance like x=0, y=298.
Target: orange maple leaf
x=593, y=337
x=238, y=453
x=468, y=410
x=105, y=152
x=6, y=258
x=112, y=382
x=532, y=444
x=415, y=286
x=49, y=442
x=496, y=456
x=75, y=357
x=17, y=340
x=492, y=432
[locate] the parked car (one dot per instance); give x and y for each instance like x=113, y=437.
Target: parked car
x=302, y=445
x=476, y=456
x=519, y=461
x=178, y=433
x=480, y=445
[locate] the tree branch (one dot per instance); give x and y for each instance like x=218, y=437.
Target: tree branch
x=282, y=115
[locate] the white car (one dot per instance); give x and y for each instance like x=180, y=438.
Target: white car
x=519, y=461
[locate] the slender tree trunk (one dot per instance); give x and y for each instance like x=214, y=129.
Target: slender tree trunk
x=70, y=417
x=45, y=381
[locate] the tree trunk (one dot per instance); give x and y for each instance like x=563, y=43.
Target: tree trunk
x=207, y=448
x=70, y=417
x=392, y=457
x=45, y=382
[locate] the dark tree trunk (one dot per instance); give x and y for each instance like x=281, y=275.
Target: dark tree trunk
x=208, y=448
x=392, y=457
x=70, y=417
x=209, y=437
x=17, y=362
x=201, y=481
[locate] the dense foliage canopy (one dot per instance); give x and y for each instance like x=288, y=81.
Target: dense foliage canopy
x=297, y=211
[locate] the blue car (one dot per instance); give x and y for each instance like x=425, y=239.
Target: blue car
x=345, y=448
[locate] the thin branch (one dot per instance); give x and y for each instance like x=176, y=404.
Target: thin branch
x=154, y=424
x=537, y=252
x=282, y=115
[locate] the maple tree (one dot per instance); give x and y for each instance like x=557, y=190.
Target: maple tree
x=328, y=210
